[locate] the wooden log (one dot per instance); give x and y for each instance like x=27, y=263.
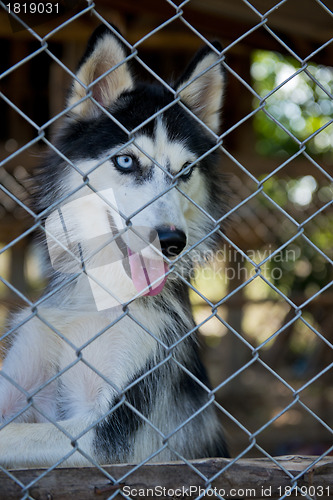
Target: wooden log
x=246, y=478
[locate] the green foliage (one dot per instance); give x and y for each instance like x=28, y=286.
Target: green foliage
x=301, y=105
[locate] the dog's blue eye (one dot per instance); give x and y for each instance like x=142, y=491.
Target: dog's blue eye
x=124, y=162
x=188, y=174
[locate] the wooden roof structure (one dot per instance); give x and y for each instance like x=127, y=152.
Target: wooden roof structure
x=305, y=26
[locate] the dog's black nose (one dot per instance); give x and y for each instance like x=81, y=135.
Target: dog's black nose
x=172, y=241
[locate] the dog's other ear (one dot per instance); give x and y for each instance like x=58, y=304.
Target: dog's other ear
x=104, y=51
x=201, y=89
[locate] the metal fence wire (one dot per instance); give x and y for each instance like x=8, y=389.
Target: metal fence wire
x=18, y=196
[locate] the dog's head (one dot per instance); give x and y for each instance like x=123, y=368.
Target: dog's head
x=144, y=155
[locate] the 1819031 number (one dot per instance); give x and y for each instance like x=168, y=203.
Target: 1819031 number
x=33, y=8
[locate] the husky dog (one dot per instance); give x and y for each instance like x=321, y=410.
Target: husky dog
x=105, y=368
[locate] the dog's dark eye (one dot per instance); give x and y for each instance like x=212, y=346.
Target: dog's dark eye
x=124, y=163
x=187, y=174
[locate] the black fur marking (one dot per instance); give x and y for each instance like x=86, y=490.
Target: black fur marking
x=116, y=433
x=91, y=139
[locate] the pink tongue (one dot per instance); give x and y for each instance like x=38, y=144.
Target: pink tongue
x=147, y=271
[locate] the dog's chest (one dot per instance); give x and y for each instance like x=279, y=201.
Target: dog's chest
x=96, y=362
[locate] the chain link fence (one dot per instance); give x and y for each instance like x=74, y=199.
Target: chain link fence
x=17, y=193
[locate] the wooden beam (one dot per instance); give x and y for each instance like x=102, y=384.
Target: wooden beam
x=302, y=29
x=263, y=477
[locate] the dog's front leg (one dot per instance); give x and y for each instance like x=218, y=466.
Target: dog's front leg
x=29, y=364
x=46, y=444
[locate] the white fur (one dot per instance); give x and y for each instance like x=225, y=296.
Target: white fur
x=116, y=354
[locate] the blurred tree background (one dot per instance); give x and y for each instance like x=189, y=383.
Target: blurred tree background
x=293, y=220
x=303, y=106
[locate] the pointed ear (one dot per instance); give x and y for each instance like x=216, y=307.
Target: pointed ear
x=203, y=93
x=104, y=51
